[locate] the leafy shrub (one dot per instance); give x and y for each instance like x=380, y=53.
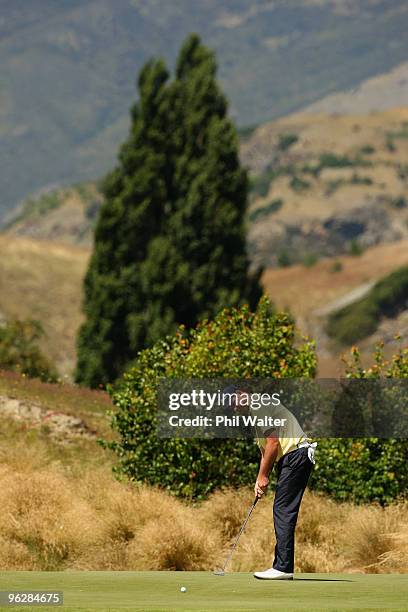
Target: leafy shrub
x=313, y=169
x=398, y=202
x=310, y=259
x=402, y=133
x=390, y=145
x=246, y=132
x=362, y=470
x=284, y=259
x=266, y=210
x=19, y=351
x=336, y=266
x=236, y=344
x=299, y=184
x=333, y=186
x=360, y=319
x=331, y=160
x=92, y=209
x=402, y=172
x=367, y=150
x=260, y=184
x=370, y=469
x=355, y=248
x=286, y=141
x=356, y=179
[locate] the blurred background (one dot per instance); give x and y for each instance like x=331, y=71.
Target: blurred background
x=318, y=90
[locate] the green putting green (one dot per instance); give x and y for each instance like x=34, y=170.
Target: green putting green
x=161, y=591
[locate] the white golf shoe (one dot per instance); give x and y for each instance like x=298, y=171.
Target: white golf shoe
x=273, y=574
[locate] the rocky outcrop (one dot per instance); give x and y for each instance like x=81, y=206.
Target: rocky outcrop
x=366, y=225
x=59, y=425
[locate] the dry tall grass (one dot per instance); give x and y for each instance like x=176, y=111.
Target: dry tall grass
x=50, y=519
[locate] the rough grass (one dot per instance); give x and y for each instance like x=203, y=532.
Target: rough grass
x=62, y=509
x=89, y=405
x=54, y=518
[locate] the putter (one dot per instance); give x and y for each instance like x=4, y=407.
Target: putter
x=221, y=571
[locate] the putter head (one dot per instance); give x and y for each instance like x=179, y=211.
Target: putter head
x=219, y=572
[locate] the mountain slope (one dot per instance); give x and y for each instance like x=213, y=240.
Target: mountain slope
x=43, y=280
x=322, y=185
x=68, y=69
x=66, y=215
x=376, y=94
x=327, y=184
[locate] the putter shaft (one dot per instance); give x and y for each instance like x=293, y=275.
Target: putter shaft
x=241, y=531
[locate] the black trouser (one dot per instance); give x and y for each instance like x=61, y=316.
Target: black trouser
x=293, y=473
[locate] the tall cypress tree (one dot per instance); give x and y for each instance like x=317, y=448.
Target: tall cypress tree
x=170, y=239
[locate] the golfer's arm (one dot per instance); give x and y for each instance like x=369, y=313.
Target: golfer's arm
x=268, y=456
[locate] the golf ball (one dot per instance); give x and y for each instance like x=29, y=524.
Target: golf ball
x=183, y=589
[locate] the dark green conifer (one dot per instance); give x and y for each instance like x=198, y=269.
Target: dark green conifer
x=170, y=239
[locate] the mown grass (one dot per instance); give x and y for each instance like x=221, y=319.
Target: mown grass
x=86, y=591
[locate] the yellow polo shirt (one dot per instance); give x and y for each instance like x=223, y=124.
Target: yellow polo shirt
x=290, y=433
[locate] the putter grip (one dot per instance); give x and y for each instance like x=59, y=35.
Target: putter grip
x=256, y=501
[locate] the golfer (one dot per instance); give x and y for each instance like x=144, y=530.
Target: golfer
x=293, y=452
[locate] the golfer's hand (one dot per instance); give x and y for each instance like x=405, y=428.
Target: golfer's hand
x=261, y=485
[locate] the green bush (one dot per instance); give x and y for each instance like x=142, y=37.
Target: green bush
x=331, y=160
x=390, y=145
x=336, y=266
x=236, y=344
x=286, y=141
x=360, y=319
x=260, y=184
x=362, y=470
x=19, y=351
x=310, y=259
x=398, y=202
x=402, y=133
x=367, y=150
x=246, y=132
x=284, y=259
x=333, y=186
x=355, y=248
x=370, y=469
x=264, y=211
x=356, y=179
x=299, y=184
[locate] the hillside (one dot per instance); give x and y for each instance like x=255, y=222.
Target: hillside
x=43, y=280
x=65, y=215
x=321, y=186
x=387, y=298
x=313, y=293
x=68, y=69
x=375, y=94
x=327, y=184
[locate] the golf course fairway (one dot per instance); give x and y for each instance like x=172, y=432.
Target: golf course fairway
x=161, y=591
